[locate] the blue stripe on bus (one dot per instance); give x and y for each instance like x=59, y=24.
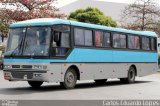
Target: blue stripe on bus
x=97, y=55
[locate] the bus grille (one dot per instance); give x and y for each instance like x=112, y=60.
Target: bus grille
x=15, y=66
x=22, y=66
x=21, y=75
x=27, y=66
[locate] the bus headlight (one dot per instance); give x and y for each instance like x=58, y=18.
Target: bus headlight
x=7, y=66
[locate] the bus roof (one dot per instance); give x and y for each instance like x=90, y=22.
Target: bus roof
x=52, y=21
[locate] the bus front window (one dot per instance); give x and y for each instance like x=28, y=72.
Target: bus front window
x=15, y=41
x=32, y=41
x=37, y=41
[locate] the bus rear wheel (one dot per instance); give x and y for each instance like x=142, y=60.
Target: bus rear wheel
x=70, y=79
x=131, y=76
x=100, y=81
x=35, y=84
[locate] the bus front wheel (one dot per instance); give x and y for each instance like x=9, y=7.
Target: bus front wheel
x=131, y=76
x=35, y=84
x=70, y=79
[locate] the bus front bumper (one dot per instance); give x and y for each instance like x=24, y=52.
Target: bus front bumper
x=25, y=75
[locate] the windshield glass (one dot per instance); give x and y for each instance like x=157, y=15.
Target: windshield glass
x=15, y=41
x=32, y=41
x=37, y=41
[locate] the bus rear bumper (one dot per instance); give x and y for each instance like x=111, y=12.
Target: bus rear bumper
x=26, y=76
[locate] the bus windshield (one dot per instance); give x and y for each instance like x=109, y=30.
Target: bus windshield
x=32, y=41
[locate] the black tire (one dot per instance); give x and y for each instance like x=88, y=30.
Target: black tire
x=35, y=84
x=70, y=79
x=100, y=81
x=131, y=76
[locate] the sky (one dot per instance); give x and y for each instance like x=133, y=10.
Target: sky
x=61, y=3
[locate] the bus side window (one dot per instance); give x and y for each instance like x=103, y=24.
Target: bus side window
x=57, y=36
x=116, y=41
x=99, y=38
x=60, y=44
x=145, y=43
x=133, y=42
x=55, y=39
x=119, y=40
x=83, y=37
x=153, y=44
x=107, y=39
x=79, y=37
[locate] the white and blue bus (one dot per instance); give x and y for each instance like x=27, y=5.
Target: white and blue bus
x=56, y=50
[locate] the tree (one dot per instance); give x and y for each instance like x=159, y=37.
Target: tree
x=3, y=33
x=141, y=15
x=19, y=10
x=3, y=29
x=92, y=15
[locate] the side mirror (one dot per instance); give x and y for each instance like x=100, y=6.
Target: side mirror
x=57, y=36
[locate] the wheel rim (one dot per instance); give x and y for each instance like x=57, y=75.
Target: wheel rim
x=70, y=79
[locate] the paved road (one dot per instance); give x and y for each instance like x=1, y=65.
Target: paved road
x=145, y=88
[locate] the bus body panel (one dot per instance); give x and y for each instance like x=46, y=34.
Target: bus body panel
x=89, y=71
x=114, y=70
